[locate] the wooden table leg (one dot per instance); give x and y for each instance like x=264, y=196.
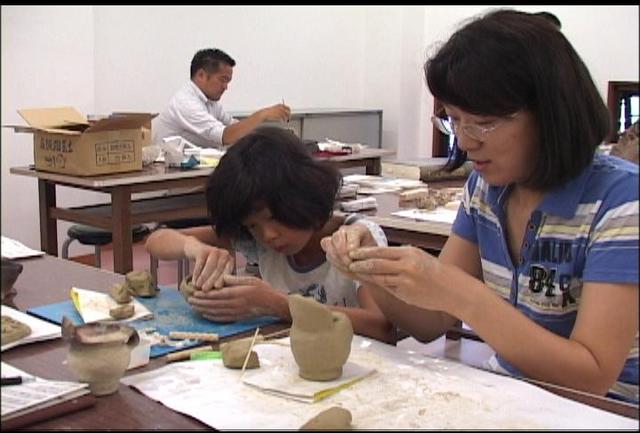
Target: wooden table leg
x=48, y=225
x=121, y=229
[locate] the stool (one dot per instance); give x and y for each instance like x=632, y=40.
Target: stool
x=89, y=235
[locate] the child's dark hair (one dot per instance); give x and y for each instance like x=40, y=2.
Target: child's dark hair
x=508, y=61
x=270, y=167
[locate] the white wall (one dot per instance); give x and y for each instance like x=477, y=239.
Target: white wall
x=47, y=61
x=606, y=37
x=107, y=58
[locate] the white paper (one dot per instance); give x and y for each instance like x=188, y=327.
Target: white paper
x=439, y=214
x=12, y=249
x=34, y=391
x=280, y=377
x=409, y=391
x=95, y=306
x=382, y=183
x=40, y=330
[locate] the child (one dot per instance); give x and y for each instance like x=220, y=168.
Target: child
x=270, y=200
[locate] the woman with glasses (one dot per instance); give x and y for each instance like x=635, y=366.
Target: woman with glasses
x=542, y=261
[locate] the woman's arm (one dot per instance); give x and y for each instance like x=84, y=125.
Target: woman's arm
x=589, y=360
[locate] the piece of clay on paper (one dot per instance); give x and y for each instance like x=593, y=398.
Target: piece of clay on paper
x=13, y=330
x=235, y=352
x=334, y=418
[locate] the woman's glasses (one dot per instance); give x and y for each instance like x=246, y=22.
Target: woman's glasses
x=471, y=130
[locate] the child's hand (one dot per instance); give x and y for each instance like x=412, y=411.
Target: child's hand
x=240, y=298
x=211, y=264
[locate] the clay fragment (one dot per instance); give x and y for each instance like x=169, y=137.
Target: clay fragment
x=13, y=330
x=140, y=283
x=234, y=353
x=122, y=311
x=120, y=293
x=334, y=418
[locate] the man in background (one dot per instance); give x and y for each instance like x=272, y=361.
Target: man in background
x=195, y=112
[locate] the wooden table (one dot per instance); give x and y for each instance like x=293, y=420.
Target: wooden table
x=122, y=212
x=47, y=279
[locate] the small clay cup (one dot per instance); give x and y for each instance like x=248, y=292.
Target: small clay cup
x=99, y=353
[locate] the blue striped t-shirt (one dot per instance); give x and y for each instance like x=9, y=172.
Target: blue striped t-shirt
x=586, y=230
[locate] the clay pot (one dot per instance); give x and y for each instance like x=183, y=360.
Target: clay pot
x=99, y=353
x=10, y=272
x=320, y=338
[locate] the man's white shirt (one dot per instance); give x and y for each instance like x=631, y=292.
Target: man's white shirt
x=194, y=117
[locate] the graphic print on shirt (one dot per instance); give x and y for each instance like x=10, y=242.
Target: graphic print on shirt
x=318, y=292
x=548, y=257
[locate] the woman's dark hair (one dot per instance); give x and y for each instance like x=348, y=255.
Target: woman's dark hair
x=270, y=167
x=209, y=59
x=507, y=61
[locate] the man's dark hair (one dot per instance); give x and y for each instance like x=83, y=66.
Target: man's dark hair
x=209, y=59
x=508, y=61
x=270, y=167
x=549, y=17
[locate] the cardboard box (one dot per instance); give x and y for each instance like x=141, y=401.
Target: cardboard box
x=65, y=142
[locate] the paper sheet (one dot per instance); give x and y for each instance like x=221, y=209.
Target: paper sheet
x=35, y=391
x=94, y=306
x=409, y=391
x=382, y=183
x=439, y=214
x=12, y=249
x=280, y=377
x=40, y=330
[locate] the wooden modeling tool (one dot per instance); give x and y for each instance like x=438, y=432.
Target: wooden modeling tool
x=246, y=358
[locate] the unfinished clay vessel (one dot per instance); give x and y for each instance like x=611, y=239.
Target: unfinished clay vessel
x=99, y=353
x=320, y=338
x=10, y=272
x=187, y=288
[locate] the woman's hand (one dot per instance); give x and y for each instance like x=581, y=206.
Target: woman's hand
x=240, y=298
x=343, y=241
x=409, y=273
x=211, y=264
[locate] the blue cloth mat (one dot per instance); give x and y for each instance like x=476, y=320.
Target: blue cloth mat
x=171, y=313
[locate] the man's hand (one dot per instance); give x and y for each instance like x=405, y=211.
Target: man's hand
x=278, y=112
